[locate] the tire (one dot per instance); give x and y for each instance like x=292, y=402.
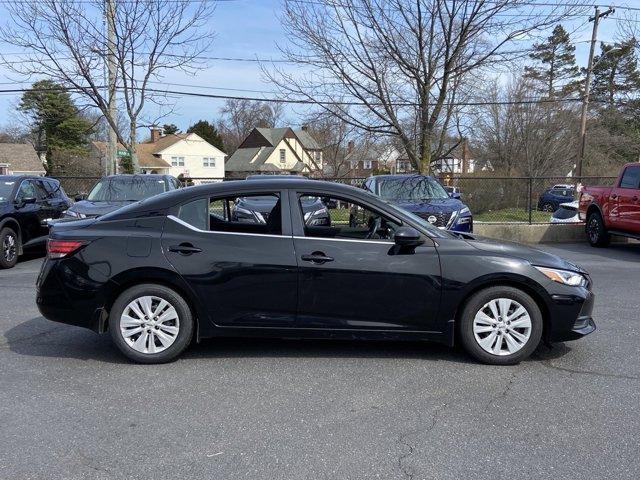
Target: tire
x=480, y=337
x=548, y=207
x=9, y=248
x=596, y=232
x=153, y=340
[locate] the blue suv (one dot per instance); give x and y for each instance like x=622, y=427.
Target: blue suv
x=423, y=196
x=552, y=197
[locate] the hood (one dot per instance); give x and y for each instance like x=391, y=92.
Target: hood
x=523, y=252
x=96, y=209
x=434, y=205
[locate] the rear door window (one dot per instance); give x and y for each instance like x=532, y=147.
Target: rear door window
x=258, y=213
x=630, y=178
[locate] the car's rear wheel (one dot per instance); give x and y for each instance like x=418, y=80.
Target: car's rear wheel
x=501, y=325
x=547, y=207
x=596, y=231
x=151, y=323
x=9, y=245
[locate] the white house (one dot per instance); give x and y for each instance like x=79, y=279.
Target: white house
x=185, y=154
x=276, y=150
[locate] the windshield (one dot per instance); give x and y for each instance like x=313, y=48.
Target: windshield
x=5, y=190
x=129, y=189
x=411, y=188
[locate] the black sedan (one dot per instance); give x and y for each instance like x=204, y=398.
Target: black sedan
x=156, y=273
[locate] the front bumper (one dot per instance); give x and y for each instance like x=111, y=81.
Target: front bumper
x=571, y=316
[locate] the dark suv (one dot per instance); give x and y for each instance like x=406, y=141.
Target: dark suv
x=26, y=206
x=423, y=196
x=116, y=191
x=551, y=198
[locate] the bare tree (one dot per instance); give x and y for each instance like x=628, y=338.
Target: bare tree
x=64, y=40
x=515, y=138
x=240, y=116
x=343, y=145
x=401, y=67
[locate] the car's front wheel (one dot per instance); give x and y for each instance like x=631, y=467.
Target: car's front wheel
x=9, y=245
x=500, y=325
x=151, y=323
x=596, y=231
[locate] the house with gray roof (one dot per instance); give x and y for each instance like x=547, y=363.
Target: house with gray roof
x=20, y=159
x=276, y=150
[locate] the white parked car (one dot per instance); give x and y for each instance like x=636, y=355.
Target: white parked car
x=566, y=213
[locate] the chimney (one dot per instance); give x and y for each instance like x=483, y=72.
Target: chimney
x=350, y=146
x=155, y=134
x=305, y=128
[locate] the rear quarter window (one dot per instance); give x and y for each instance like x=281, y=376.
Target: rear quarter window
x=630, y=178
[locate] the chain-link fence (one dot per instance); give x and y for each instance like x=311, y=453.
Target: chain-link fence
x=490, y=199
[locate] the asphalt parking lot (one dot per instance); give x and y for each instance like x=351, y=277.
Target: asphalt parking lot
x=71, y=407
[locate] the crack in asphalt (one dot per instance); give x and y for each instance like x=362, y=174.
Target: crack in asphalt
x=507, y=388
x=402, y=439
x=571, y=371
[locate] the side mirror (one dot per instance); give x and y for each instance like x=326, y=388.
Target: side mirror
x=79, y=198
x=330, y=203
x=407, y=237
x=455, y=195
x=25, y=201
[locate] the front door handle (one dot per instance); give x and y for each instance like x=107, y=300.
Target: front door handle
x=635, y=198
x=184, y=249
x=317, y=257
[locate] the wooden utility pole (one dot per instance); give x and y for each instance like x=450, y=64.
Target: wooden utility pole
x=587, y=86
x=112, y=147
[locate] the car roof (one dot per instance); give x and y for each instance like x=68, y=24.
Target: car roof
x=402, y=176
x=13, y=178
x=270, y=177
x=138, y=175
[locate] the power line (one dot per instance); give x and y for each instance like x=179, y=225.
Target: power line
x=531, y=101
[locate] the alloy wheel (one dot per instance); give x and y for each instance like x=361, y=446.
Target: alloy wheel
x=9, y=247
x=502, y=327
x=594, y=229
x=149, y=324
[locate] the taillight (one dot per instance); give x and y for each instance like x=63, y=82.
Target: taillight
x=62, y=248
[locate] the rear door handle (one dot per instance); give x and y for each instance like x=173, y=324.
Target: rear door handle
x=635, y=198
x=184, y=249
x=317, y=257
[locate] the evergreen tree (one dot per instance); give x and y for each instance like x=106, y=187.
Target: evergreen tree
x=170, y=128
x=54, y=118
x=208, y=132
x=615, y=73
x=556, y=72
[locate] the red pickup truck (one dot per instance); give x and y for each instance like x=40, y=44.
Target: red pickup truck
x=612, y=210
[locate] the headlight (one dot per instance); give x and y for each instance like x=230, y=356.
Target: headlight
x=243, y=211
x=316, y=213
x=72, y=214
x=565, y=277
x=464, y=211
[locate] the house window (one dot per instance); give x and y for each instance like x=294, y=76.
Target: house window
x=367, y=164
x=208, y=162
x=283, y=155
x=177, y=161
x=353, y=165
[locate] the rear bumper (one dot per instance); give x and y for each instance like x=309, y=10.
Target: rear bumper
x=63, y=295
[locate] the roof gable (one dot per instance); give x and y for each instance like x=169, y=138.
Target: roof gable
x=21, y=157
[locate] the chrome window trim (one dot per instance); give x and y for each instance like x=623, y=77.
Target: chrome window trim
x=191, y=227
x=382, y=242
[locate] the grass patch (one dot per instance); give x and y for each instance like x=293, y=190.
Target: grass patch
x=512, y=215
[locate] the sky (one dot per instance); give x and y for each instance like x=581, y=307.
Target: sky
x=251, y=28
